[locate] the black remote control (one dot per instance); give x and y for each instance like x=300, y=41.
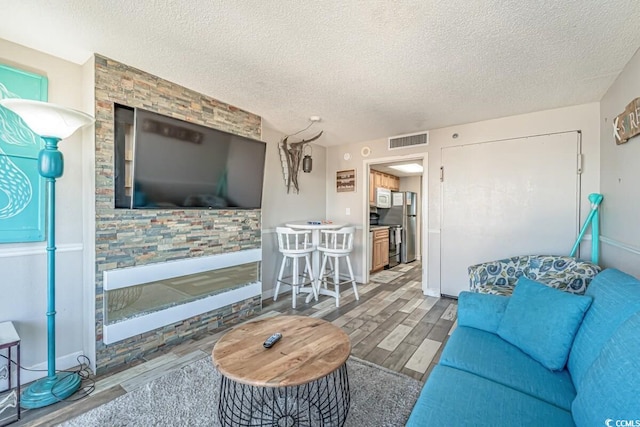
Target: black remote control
x=272, y=340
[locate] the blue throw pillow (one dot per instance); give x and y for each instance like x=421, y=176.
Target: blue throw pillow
x=543, y=321
x=481, y=311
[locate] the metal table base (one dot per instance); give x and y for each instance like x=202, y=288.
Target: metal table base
x=323, y=402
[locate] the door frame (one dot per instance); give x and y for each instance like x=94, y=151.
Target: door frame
x=424, y=217
x=579, y=154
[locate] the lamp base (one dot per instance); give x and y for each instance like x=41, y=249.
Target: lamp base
x=50, y=390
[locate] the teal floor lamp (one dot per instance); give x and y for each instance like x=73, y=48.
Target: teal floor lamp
x=593, y=219
x=53, y=123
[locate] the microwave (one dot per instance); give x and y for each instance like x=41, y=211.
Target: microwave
x=383, y=198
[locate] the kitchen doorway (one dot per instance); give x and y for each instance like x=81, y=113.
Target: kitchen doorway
x=409, y=182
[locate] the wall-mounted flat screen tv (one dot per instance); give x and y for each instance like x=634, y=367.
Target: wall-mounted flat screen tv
x=165, y=163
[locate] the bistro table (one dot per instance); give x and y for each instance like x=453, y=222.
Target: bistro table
x=316, y=227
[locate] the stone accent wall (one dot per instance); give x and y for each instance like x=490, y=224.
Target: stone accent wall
x=126, y=238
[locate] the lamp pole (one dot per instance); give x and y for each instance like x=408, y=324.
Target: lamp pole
x=52, y=123
x=56, y=386
x=50, y=167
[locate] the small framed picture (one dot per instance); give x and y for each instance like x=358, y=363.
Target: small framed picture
x=346, y=181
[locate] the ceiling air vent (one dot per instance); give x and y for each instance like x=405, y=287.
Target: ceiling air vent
x=409, y=140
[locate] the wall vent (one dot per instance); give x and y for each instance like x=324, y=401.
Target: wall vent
x=409, y=140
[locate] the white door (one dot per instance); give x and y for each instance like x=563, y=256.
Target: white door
x=506, y=198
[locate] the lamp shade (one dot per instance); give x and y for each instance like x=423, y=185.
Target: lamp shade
x=46, y=119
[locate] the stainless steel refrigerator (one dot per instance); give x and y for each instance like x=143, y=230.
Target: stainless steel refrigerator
x=403, y=211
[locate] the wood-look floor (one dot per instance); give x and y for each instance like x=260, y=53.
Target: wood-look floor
x=393, y=325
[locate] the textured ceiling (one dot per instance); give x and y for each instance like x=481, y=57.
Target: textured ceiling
x=370, y=69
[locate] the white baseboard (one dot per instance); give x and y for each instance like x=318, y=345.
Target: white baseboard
x=64, y=362
x=432, y=293
x=284, y=289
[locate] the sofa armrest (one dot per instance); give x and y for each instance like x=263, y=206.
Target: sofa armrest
x=496, y=277
x=481, y=311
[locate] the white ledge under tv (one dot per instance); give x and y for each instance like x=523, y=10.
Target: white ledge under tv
x=132, y=276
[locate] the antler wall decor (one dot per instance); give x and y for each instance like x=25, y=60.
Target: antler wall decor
x=291, y=158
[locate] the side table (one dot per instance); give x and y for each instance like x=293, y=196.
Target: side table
x=10, y=397
x=301, y=381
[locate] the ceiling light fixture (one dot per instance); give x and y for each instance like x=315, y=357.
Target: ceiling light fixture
x=408, y=168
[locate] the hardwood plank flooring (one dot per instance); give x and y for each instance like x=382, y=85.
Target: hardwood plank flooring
x=392, y=324
x=391, y=341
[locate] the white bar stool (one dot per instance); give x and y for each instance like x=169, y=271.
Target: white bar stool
x=336, y=245
x=294, y=245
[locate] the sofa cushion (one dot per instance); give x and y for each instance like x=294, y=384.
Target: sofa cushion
x=609, y=389
x=452, y=397
x=561, y=272
x=481, y=311
x=487, y=355
x=543, y=321
x=616, y=296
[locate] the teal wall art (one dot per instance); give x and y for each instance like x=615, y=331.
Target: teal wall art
x=21, y=187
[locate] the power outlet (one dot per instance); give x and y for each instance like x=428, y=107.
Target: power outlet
x=347, y=211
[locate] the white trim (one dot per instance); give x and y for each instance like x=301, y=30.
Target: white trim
x=617, y=244
x=432, y=293
x=89, y=218
x=366, y=163
x=434, y=230
x=39, y=249
x=63, y=362
x=148, y=322
x=131, y=276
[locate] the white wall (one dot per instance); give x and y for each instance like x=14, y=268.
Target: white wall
x=620, y=177
x=279, y=207
x=581, y=117
x=23, y=265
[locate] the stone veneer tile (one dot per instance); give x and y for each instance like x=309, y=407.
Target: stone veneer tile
x=126, y=238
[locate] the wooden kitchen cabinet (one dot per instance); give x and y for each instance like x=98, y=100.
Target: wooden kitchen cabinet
x=380, y=249
x=382, y=180
x=377, y=179
x=395, y=183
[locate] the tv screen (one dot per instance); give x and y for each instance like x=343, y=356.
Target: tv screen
x=177, y=164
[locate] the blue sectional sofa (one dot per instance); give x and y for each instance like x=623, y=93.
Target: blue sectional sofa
x=484, y=379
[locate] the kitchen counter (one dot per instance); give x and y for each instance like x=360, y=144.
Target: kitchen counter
x=377, y=227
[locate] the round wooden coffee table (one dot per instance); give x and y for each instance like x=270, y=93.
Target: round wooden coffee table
x=301, y=381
